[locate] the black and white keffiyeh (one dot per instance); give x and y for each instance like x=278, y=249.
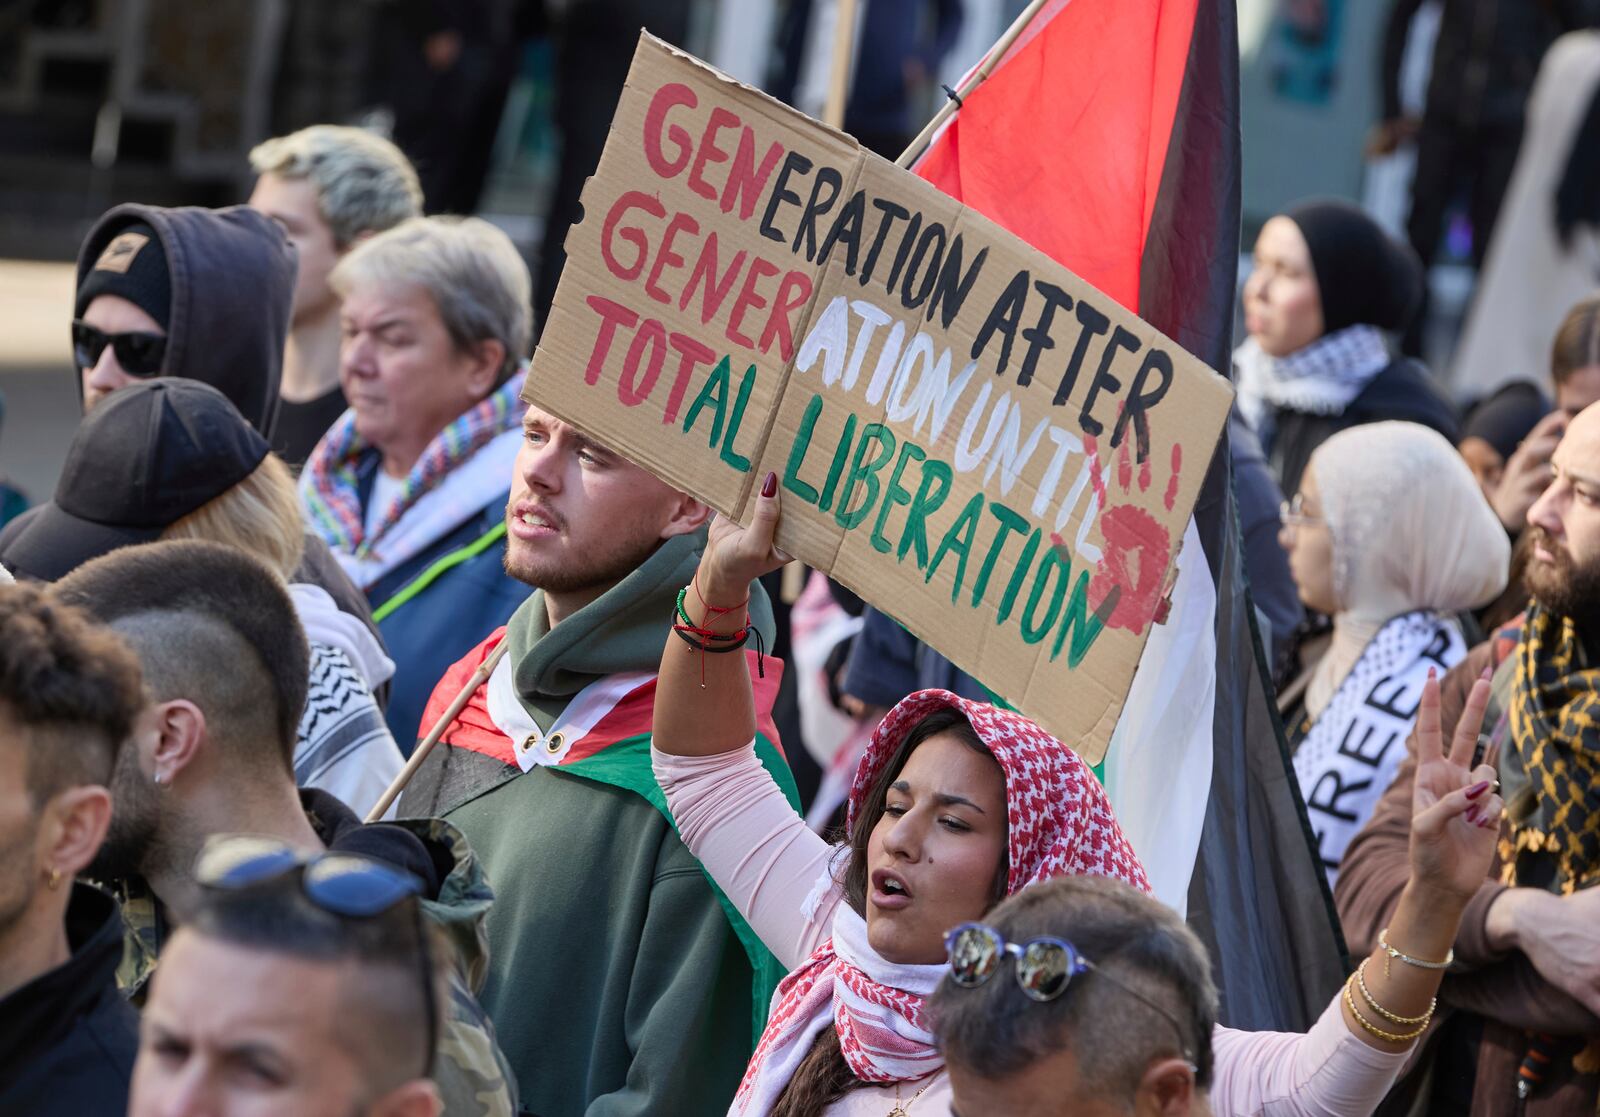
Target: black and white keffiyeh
x=1320, y=379
x=1350, y=756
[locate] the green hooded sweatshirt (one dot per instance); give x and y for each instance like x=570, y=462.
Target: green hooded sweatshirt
x=617, y=983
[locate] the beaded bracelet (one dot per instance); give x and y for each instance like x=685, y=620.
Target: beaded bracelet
x=1361, y=983
x=704, y=640
x=1388, y=1037
x=707, y=634
x=1419, y=963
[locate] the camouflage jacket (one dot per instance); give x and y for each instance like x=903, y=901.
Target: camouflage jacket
x=473, y=1076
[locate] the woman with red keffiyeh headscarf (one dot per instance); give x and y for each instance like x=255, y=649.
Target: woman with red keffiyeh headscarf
x=956, y=806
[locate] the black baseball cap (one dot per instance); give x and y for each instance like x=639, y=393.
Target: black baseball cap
x=147, y=456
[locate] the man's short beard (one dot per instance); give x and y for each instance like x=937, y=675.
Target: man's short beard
x=1561, y=586
x=135, y=819
x=597, y=571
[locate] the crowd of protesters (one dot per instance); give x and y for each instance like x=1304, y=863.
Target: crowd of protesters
x=307, y=520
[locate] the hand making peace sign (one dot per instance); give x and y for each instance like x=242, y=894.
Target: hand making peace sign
x=1455, y=809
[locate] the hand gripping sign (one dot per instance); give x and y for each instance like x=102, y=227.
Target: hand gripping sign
x=967, y=435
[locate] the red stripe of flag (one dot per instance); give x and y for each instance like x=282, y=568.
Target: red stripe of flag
x=1065, y=143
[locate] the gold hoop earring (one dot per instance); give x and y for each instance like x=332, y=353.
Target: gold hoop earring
x=54, y=881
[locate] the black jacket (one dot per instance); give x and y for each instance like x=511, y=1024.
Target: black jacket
x=233, y=273
x=1266, y=564
x=1402, y=391
x=1485, y=58
x=67, y=1038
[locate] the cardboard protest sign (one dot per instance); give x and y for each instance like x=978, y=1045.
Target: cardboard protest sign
x=967, y=435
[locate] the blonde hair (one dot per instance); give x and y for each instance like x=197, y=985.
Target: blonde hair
x=261, y=515
x=471, y=270
x=364, y=183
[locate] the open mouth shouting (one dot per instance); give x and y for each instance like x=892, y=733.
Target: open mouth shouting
x=889, y=891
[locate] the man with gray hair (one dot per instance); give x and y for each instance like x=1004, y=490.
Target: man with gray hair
x=409, y=487
x=330, y=187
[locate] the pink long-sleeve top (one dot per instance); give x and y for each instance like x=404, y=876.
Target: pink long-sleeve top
x=734, y=818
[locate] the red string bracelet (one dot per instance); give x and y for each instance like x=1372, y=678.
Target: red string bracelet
x=716, y=610
x=703, y=639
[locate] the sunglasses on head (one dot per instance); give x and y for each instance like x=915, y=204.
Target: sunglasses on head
x=1045, y=967
x=348, y=885
x=139, y=354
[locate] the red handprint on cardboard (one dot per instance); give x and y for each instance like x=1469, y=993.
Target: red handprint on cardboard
x=1130, y=583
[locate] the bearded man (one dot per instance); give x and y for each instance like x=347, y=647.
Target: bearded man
x=620, y=980
x=1520, y=1011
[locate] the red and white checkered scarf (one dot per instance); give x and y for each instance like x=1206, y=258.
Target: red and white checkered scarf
x=1059, y=824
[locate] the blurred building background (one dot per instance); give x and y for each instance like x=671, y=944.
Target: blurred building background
x=158, y=101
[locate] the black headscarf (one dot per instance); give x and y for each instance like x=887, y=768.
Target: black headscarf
x=1365, y=276
x=1504, y=419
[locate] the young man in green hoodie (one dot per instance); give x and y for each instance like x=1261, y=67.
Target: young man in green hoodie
x=620, y=981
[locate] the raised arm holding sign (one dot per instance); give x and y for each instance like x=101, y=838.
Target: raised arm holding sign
x=967, y=435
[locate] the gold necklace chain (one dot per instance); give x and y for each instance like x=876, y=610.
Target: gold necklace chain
x=903, y=1109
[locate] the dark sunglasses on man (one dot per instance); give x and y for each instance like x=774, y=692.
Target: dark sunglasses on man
x=139, y=354
x=348, y=885
x=1045, y=967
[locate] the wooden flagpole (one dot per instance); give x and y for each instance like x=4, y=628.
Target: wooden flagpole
x=425, y=746
x=844, y=37
x=953, y=104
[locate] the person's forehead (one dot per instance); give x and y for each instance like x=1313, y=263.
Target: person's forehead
x=115, y=314
x=1281, y=239
x=944, y=765
x=1578, y=452
x=277, y=196
x=1579, y=390
x=533, y=417
x=396, y=299
x=222, y=993
x=1310, y=492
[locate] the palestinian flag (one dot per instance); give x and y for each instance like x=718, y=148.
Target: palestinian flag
x=1108, y=137
x=603, y=735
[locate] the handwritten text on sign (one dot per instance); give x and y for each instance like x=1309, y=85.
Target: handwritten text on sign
x=970, y=437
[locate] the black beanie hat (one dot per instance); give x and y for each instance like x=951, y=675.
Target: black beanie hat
x=133, y=264
x=1504, y=419
x=1365, y=276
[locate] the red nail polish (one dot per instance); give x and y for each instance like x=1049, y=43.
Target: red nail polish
x=1472, y=815
x=1432, y=673
x=769, y=487
x=1477, y=789
x=1489, y=822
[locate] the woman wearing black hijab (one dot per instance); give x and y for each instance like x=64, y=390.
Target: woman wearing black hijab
x=1495, y=427
x=1327, y=285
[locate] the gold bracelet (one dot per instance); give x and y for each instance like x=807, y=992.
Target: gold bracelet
x=1361, y=982
x=1387, y=1037
x=1419, y=963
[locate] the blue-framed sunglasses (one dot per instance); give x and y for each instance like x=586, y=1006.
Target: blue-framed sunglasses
x=348, y=885
x=1045, y=967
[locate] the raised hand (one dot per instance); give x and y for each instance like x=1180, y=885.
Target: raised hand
x=1527, y=472
x=735, y=555
x=1455, y=809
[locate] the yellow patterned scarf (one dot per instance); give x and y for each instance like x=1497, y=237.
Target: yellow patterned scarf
x=1555, y=728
